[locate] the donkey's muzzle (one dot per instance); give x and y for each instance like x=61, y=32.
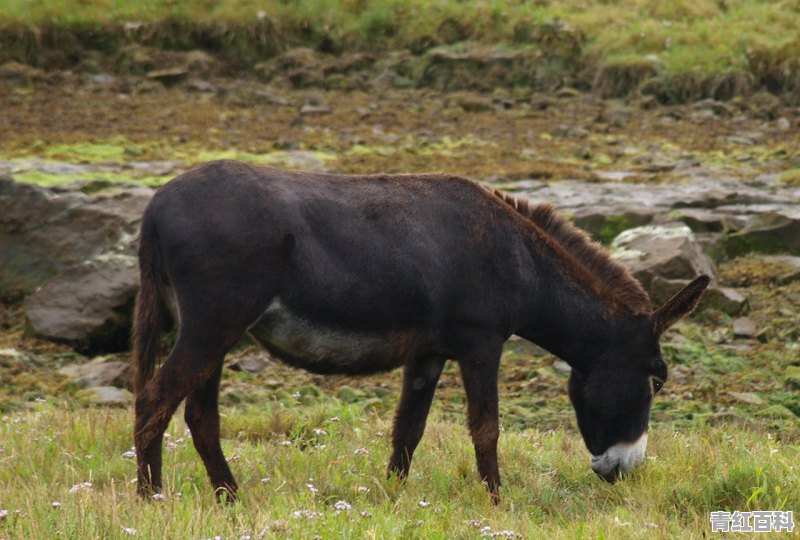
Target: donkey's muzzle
x=610, y=476
x=619, y=459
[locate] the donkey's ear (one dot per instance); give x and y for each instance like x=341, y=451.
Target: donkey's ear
x=680, y=305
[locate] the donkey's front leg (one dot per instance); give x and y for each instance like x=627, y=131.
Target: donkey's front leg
x=419, y=383
x=479, y=374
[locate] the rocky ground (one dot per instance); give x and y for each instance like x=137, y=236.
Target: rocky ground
x=708, y=186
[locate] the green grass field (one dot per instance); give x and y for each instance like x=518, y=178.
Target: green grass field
x=317, y=470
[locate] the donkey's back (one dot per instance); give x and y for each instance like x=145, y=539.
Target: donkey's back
x=334, y=273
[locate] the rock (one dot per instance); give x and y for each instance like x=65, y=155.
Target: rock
x=561, y=366
x=43, y=231
x=615, y=116
x=724, y=299
x=605, y=223
x=311, y=110
x=474, y=103
x=701, y=220
x=88, y=305
x=717, y=107
x=100, y=372
x=669, y=251
x=744, y=327
x=169, y=76
x=199, y=62
x=791, y=268
x=200, y=86
x=746, y=397
x=106, y=395
x=269, y=97
x=300, y=67
x=680, y=375
x=466, y=66
x=768, y=232
x=250, y=364
x=20, y=74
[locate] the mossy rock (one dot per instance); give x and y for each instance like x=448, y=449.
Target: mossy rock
x=766, y=233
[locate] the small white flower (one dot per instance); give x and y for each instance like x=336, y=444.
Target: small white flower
x=158, y=497
x=130, y=454
x=334, y=419
x=3, y=514
x=40, y=400
x=287, y=443
x=476, y=523
x=56, y=504
x=424, y=504
x=363, y=489
x=342, y=505
x=266, y=480
x=312, y=488
x=129, y=530
x=305, y=513
x=365, y=514
x=83, y=486
x=361, y=452
x=320, y=432
x=296, y=395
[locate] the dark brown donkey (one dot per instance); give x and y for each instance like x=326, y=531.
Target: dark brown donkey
x=356, y=275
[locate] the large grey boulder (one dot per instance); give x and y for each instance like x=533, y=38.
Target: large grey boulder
x=72, y=252
x=87, y=305
x=770, y=232
x=670, y=251
x=43, y=231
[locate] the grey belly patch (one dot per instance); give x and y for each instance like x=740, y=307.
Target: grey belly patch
x=279, y=328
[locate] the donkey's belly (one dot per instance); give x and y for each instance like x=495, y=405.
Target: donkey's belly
x=326, y=349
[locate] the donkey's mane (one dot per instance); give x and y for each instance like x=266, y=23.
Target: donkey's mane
x=584, y=257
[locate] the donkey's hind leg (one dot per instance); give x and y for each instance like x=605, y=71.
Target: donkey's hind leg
x=202, y=417
x=190, y=364
x=419, y=384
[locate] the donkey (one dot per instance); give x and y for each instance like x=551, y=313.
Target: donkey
x=364, y=274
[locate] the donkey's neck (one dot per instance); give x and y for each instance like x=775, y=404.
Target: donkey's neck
x=577, y=295
x=564, y=318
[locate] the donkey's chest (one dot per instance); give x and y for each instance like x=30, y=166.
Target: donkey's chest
x=326, y=348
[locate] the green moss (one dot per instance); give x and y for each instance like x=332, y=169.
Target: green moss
x=789, y=177
x=89, y=152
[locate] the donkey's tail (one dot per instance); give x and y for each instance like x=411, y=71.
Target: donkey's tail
x=151, y=311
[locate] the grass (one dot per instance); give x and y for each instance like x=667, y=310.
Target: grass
x=296, y=462
x=698, y=39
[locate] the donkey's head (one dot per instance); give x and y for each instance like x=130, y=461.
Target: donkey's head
x=612, y=396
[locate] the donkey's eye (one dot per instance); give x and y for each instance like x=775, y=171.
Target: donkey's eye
x=657, y=384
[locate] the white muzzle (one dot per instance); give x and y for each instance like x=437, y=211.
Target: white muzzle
x=620, y=458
